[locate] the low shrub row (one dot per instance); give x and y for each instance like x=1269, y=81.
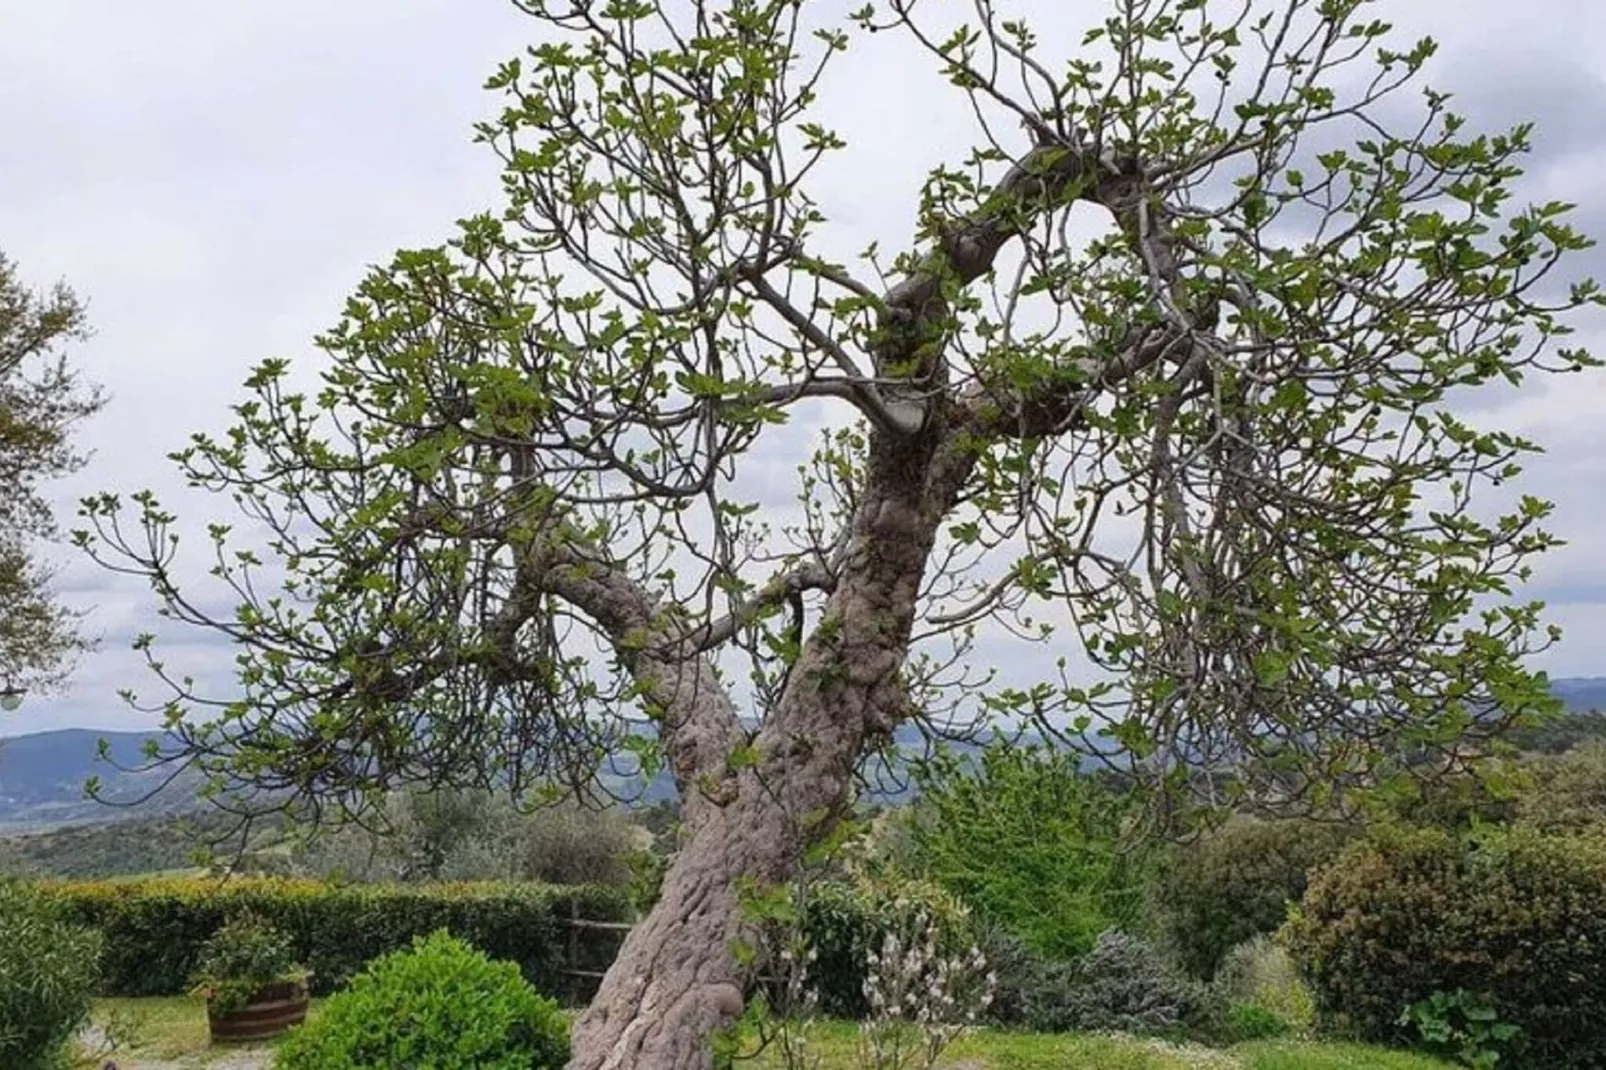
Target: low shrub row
x=153, y=929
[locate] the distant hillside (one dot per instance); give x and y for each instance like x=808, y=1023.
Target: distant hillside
x=42, y=775
x=150, y=844
x=1582, y=694
x=42, y=778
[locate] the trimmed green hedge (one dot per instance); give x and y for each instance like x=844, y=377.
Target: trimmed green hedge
x=154, y=928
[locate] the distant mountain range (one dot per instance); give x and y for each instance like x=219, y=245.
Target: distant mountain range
x=42, y=779
x=42, y=775
x=1582, y=694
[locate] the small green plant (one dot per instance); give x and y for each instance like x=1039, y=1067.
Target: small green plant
x=1257, y=982
x=48, y=972
x=119, y=1028
x=439, y=1004
x=1462, y=1026
x=243, y=957
x=1251, y=1021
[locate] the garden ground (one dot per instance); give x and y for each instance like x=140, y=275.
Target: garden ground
x=170, y=1034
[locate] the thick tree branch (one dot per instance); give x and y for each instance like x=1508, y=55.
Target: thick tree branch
x=812, y=576
x=698, y=722
x=915, y=321
x=1058, y=402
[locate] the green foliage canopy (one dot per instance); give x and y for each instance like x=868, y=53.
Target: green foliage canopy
x=534, y=440
x=1030, y=844
x=41, y=398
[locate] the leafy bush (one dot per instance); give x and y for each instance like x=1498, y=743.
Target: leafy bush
x=1030, y=843
x=48, y=970
x=1568, y=793
x=154, y=929
x=844, y=922
x=440, y=1004
x=1236, y=882
x=1462, y=1026
x=569, y=843
x=244, y=956
x=1018, y=970
x=1251, y=1021
x=1512, y=915
x=1123, y=984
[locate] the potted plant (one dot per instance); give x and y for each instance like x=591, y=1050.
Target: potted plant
x=253, y=986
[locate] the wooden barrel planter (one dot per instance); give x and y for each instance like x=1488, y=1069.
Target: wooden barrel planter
x=271, y=1012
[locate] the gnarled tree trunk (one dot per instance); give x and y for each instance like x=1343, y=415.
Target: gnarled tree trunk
x=677, y=980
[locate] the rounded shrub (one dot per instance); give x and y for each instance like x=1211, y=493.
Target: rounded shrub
x=1236, y=882
x=1513, y=917
x=1124, y=984
x=440, y=1004
x=48, y=972
x=1018, y=973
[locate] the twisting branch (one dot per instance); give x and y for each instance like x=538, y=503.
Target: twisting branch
x=816, y=575
x=699, y=723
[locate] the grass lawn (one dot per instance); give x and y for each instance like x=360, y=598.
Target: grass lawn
x=175, y=1029
x=159, y=1029
x=996, y=1050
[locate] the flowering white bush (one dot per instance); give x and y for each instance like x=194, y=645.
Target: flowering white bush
x=921, y=995
x=798, y=1002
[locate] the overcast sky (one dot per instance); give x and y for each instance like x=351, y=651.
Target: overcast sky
x=214, y=177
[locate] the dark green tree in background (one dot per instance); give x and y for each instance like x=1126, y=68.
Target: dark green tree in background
x=41, y=398
x=1036, y=847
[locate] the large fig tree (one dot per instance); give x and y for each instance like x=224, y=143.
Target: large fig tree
x=1165, y=386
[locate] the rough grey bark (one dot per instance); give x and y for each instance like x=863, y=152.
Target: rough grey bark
x=676, y=980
